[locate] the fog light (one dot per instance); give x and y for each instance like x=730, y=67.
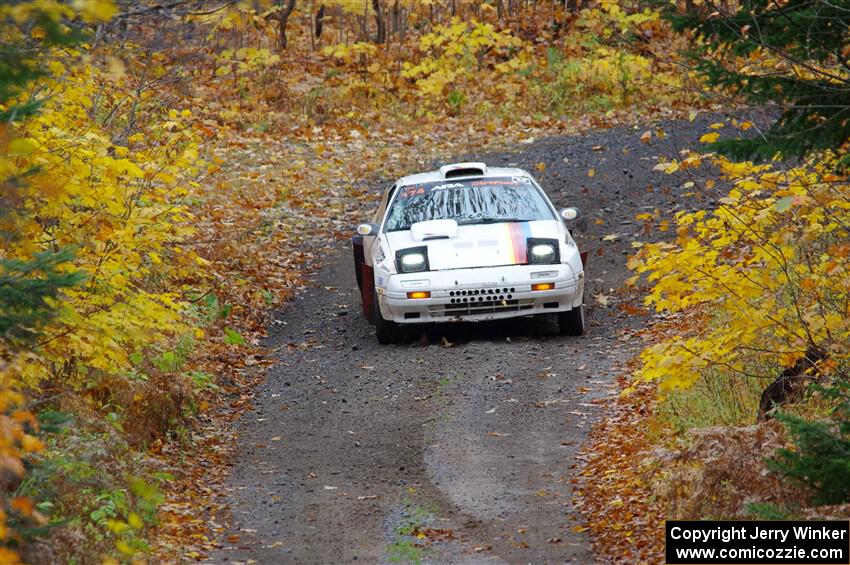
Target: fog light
x=543, y=286
x=419, y=294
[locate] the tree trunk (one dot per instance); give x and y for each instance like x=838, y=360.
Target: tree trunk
x=379, y=21
x=283, y=18
x=395, y=14
x=320, y=21
x=790, y=384
x=364, y=32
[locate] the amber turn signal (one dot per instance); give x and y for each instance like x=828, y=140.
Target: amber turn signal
x=541, y=286
x=419, y=294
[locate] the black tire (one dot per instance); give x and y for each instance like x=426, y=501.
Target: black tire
x=368, y=309
x=386, y=331
x=571, y=322
x=359, y=259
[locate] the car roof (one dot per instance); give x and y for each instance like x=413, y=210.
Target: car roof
x=488, y=172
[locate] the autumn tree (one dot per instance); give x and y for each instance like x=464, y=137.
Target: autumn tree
x=379, y=21
x=286, y=8
x=792, y=54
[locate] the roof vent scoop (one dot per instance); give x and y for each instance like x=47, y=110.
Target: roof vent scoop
x=456, y=170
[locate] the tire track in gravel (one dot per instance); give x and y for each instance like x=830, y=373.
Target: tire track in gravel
x=357, y=452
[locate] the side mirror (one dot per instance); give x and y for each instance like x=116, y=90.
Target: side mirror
x=570, y=213
x=367, y=229
x=574, y=216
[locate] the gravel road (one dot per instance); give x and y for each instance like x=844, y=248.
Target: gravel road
x=457, y=447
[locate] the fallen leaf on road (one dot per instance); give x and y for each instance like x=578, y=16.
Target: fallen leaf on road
x=611, y=237
x=602, y=299
x=491, y=411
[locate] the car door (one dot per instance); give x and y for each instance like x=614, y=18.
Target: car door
x=362, y=247
x=369, y=240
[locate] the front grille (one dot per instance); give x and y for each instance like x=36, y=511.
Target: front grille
x=481, y=294
x=472, y=305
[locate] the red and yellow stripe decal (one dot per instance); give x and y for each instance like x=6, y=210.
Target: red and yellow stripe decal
x=514, y=240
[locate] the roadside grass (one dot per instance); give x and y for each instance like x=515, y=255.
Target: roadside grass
x=721, y=399
x=443, y=394
x=406, y=548
x=715, y=400
x=405, y=551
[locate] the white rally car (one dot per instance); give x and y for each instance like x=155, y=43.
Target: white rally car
x=468, y=243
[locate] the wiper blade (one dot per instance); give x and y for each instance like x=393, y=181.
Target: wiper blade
x=493, y=221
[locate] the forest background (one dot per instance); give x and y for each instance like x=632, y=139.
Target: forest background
x=152, y=150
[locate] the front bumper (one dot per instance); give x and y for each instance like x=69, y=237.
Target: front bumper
x=487, y=293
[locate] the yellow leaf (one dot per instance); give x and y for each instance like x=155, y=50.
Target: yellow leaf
x=124, y=547
x=21, y=147
x=710, y=137
x=591, y=173
x=95, y=10
x=135, y=521
x=117, y=526
x=668, y=168
x=31, y=443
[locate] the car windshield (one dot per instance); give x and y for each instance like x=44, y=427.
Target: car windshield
x=468, y=201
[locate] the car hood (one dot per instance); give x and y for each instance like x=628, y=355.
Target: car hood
x=478, y=245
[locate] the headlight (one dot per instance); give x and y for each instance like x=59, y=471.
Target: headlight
x=542, y=251
x=412, y=260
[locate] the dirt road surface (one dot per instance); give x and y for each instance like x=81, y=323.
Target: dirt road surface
x=458, y=446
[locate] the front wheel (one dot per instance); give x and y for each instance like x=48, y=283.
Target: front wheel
x=571, y=322
x=386, y=331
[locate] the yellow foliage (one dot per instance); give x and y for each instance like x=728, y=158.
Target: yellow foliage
x=245, y=60
x=346, y=52
x=455, y=50
x=766, y=272
x=119, y=207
